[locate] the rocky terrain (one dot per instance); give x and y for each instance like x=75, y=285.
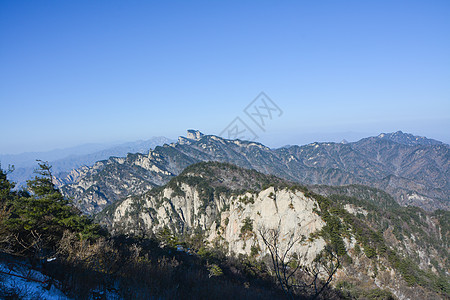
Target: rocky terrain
x=415, y=170
x=379, y=243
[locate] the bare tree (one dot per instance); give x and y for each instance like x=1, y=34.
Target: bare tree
x=287, y=268
x=325, y=265
x=285, y=265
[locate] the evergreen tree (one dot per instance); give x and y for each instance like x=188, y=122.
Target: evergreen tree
x=6, y=188
x=6, y=195
x=38, y=218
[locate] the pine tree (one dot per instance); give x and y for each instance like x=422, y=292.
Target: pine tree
x=39, y=217
x=6, y=195
x=6, y=188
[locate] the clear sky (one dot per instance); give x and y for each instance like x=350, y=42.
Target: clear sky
x=74, y=72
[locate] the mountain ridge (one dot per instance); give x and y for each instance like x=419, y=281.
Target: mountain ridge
x=65, y=160
x=408, y=139
x=414, y=174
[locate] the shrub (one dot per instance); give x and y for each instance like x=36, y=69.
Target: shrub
x=247, y=228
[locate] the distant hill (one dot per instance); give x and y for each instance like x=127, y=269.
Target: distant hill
x=64, y=160
x=415, y=171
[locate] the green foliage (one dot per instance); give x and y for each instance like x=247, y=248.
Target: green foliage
x=382, y=216
x=215, y=270
x=333, y=231
x=196, y=240
x=168, y=238
x=43, y=214
x=413, y=275
x=246, y=200
x=352, y=291
x=6, y=188
x=228, y=178
x=219, y=190
x=362, y=196
x=6, y=195
x=254, y=250
x=176, y=188
x=370, y=252
x=204, y=252
x=386, y=216
x=332, y=212
x=379, y=294
x=247, y=227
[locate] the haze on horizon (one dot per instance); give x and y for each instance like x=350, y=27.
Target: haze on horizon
x=83, y=72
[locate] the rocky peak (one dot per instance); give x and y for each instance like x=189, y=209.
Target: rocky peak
x=194, y=134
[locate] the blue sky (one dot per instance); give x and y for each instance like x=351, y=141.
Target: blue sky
x=74, y=72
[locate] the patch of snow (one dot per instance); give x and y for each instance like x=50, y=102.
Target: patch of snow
x=27, y=289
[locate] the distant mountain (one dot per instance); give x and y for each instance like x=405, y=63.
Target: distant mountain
x=28, y=159
x=415, y=174
x=65, y=160
x=408, y=139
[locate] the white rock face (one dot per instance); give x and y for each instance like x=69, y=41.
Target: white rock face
x=222, y=218
x=182, y=141
x=291, y=213
x=354, y=210
x=194, y=135
x=73, y=176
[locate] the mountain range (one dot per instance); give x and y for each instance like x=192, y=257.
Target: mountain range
x=65, y=160
x=414, y=170
x=345, y=209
